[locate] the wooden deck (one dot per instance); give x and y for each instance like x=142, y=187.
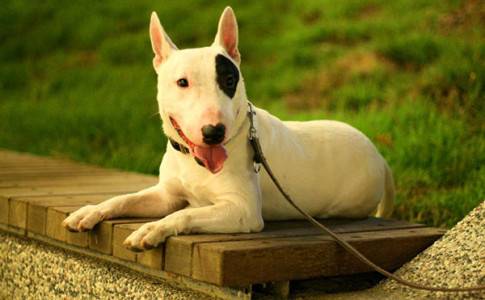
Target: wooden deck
x=37, y=193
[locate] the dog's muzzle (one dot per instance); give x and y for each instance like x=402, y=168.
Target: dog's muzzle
x=213, y=156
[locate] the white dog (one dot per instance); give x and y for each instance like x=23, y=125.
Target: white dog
x=207, y=181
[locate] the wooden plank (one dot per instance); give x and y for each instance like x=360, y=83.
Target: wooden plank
x=25, y=165
x=54, y=230
x=37, y=208
x=26, y=161
x=17, y=212
x=36, y=218
x=153, y=258
x=23, y=161
x=17, y=170
x=76, y=180
x=73, y=190
x=55, y=216
x=179, y=249
x=80, y=239
x=259, y=261
x=61, y=169
x=4, y=210
x=339, y=225
x=120, y=233
x=101, y=237
x=35, y=164
x=179, y=255
x=55, y=174
x=17, y=167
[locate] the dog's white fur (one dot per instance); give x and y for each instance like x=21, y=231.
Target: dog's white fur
x=329, y=168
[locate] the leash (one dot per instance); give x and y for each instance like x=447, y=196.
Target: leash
x=260, y=159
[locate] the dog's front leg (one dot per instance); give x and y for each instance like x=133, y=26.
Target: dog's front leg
x=150, y=202
x=222, y=217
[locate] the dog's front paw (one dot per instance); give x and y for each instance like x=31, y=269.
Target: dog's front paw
x=147, y=237
x=83, y=219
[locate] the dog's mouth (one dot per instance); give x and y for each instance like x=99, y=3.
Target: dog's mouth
x=210, y=157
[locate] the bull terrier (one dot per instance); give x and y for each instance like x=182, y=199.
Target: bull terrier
x=207, y=180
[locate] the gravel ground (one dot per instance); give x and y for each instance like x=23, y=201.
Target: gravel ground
x=455, y=260
x=33, y=270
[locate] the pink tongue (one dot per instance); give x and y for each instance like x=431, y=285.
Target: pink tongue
x=212, y=157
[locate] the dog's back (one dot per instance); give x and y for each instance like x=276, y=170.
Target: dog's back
x=329, y=168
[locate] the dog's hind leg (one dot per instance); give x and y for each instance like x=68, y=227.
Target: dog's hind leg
x=384, y=209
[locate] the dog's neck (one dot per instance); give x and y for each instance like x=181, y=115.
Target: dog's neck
x=242, y=122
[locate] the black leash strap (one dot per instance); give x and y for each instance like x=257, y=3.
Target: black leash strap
x=260, y=159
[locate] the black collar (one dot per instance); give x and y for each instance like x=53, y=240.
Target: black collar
x=179, y=147
x=184, y=150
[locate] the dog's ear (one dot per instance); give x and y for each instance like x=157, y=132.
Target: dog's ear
x=161, y=44
x=227, y=34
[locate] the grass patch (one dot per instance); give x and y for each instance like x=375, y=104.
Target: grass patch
x=413, y=51
x=76, y=81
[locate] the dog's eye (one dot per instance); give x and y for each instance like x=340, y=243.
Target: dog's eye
x=230, y=80
x=182, y=82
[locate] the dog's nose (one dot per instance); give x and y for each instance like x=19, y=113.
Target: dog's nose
x=213, y=135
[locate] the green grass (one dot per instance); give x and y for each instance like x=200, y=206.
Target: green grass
x=76, y=82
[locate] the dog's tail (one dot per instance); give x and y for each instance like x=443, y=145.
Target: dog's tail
x=384, y=209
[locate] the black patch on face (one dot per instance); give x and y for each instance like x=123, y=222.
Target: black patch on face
x=227, y=75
